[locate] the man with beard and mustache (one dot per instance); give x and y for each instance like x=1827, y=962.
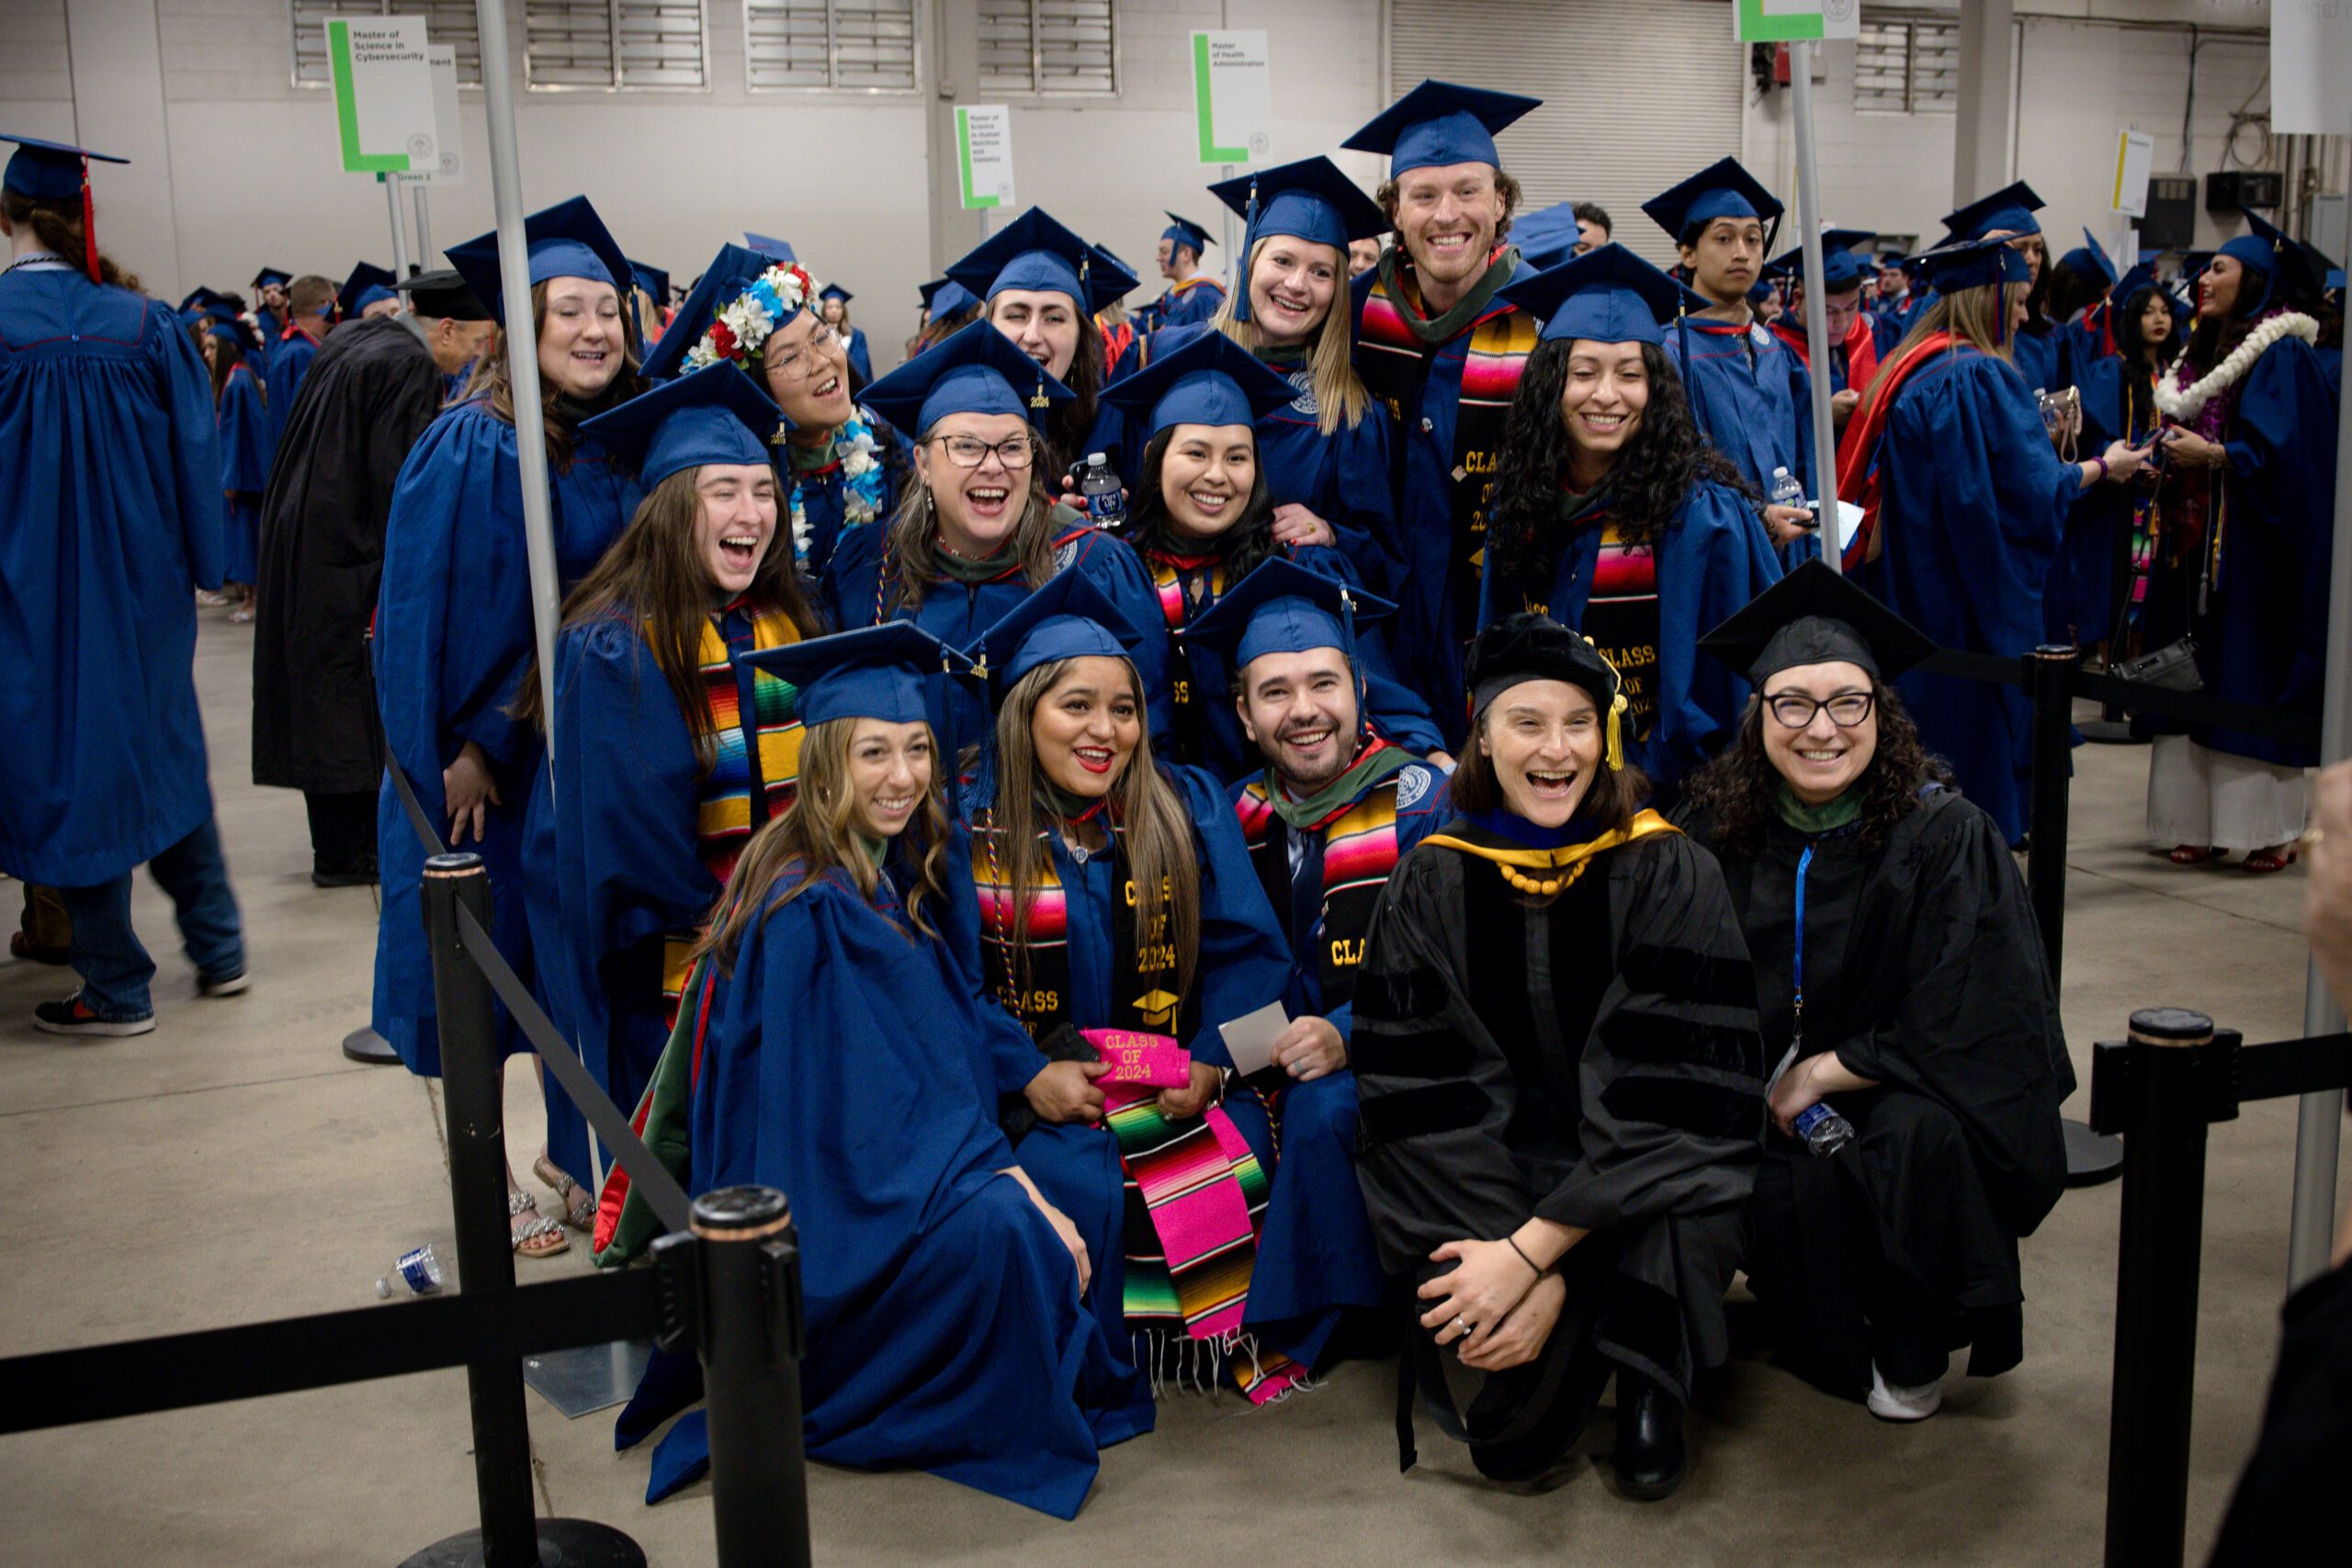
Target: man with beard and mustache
x=1436, y=345
x=1324, y=822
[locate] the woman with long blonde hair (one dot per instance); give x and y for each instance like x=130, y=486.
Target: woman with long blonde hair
x=839, y=1049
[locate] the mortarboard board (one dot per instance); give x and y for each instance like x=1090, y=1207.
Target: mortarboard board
x=2009, y=210
x=57, y=170
x=1974, y=263
x=1723, y=189
x=1440, y=123
x=878, y=671
x=731, y=274
x=1529, y=646
x=1311, y=199
x=1840, y=268
x=567, y=240
x=270, y=278
x=366, y=284
x=1816, y=616
x=2090, y=259
x=1184, y=231
x=2287, y=271
x=1283, y=607
x=1210, y=380
x=1610, y=295
x=442, y=293
x=835, y=291
x=1034, y=252
x=951, y=298
x=974, y=370
x=711, y=415
x=1547, y=236
x=769, y=246
x=1068, y=617
x=653, y=279
x=2334, y=281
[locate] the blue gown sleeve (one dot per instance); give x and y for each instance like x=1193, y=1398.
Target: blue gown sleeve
x=186, y=393
x=2282, y=452
x=1715, y=559
x=1244, y=960
x=1398, y=715
x=1363, y=511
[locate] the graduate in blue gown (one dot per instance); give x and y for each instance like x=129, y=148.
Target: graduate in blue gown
x=1751, y=397
x=1042, y=285
x=309, y=312
x=367, y=292
x=1614, y=517
x=1192, y=295
x=850, y=1060
x=973, y=542
x=2037, y=351
x=1201, y=517
x=1073, y=828
x=669, y=750
x=245, y=453
x=453, y=615
x=836, y=313
x=110, y=515
x=1964, y=500
x=269, y=302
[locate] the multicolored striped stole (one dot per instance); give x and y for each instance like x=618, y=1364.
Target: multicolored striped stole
x=1359, y=851
x=1620, y=619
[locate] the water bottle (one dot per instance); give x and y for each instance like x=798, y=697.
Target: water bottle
x=1785, y=490
x=1106, y=497
x=1822, y=1130
x=416, y=1270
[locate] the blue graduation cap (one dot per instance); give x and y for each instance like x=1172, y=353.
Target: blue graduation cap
x=1210, y=380
x=1840, y=268
x=2009, y=210
x=1439, y=123
x=770, y=246
x=567, y=240
x=270, y=276
x=949, y=297
x=1068, y=617
x=653, y=279
x=730, y=273
x=2090, y=259
x=711, y=415
x=835, y=291
x=1311, y=199
x=2290, y=269
x=229, y=329
x=1036, y=252
x=1184, y=231
x=1610, y=295
x=975, y=370
x=1974, y=263
x=1547, y=236
x=877, y=672
x=2142, y=280
x=1723, y=189
x=50, y=171
x=366, y=284
x=198, y=300
x=2334, y=281
x=1283, y=607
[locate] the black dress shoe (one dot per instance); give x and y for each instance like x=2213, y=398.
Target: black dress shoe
x=1650, y=1460
x=363, y=876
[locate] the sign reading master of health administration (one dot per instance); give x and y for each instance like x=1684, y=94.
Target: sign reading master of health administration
x=1233, y=98
x=383, y=94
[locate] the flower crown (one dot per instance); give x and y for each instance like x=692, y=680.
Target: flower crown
x=744, y=322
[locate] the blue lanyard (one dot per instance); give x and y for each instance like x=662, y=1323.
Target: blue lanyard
x=1804, y=864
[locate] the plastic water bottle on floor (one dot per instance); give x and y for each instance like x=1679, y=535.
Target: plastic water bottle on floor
x=1822, y=1130
x=1106, y=497
x=1785, y=490
x=417, y=1272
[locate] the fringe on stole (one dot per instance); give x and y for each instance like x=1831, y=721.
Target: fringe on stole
x=1199, y=1366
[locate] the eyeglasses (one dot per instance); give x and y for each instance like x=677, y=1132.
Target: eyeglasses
x=970, y=451
x=1795, y=710
x=803, y=362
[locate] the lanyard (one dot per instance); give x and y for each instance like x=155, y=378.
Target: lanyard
x=1796, y=1040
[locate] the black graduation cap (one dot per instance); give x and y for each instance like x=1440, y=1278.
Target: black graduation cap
x=1816, y=616
x=1530, y=646
x=443, y=293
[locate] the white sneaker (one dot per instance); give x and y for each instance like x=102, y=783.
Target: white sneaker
x=1889, y=1403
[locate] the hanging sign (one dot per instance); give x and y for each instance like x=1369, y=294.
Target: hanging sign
x=984, y=155
x=1233, y=98
x=1795, y=21
x=383, y=93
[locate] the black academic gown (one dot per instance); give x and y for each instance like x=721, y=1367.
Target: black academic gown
x=1923, y=970
x=369, y=396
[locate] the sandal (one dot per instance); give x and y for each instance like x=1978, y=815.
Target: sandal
x=538, y=1236
x=578, y=1207
x=2264, y=861
x=2196, y=854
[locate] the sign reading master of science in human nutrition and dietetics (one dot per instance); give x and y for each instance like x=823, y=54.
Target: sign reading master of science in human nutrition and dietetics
x=383, y=94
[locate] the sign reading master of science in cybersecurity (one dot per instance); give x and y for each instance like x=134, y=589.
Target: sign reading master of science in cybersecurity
x=383, y=94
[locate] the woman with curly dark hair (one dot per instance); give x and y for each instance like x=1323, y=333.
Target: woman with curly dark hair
x=1900, y=985
x=1613, y=515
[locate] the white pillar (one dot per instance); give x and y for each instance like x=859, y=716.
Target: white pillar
x=1988, y=50
x=118, y=73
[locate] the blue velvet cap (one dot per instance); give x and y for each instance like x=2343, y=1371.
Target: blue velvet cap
x=653, y=279
x=770, y=246
x=1440, y=123
x=878, y=671
x=366, y=284
x=835, y=291
x=2009, y=209
x=270, y=275
x=1283, y=607
x=1311, y=199
x=715, y=414
x=1036, y=252
x=1547, y=236
x=1974, y=263
x=49, y=170
x=567, y=240
x=1210, y=380
x=975, y=370
x=1184, y=231
x=1840, y=268
x=1723, y=189
x=734, y=269
x=1069, y=617
x=1610, y=295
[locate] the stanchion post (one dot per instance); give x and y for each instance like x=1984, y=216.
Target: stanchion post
x=2156, y=1286
x=749, y=1279
x=2047, y=671
x=471, y=1065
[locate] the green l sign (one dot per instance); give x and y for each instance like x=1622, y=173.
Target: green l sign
x=1233, y=98
x=383, y=94
x=1795, y=21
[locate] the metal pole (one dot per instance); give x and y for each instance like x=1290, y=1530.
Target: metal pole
x=2046, y=671
x=748, y=1259
x=424, y=226
x=399, y=228
x=2156, y=1289
x=1816, y=307
x=522, y=343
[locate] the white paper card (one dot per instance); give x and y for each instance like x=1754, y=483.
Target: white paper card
x=1849, y=523
x=1249, y=1039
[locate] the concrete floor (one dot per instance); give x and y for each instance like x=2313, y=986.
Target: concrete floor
x=232, y=1167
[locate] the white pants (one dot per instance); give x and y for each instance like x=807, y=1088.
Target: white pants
x=2201, y=797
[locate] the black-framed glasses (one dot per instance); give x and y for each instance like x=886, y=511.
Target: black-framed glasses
x=970, y=451
x=1795, y=710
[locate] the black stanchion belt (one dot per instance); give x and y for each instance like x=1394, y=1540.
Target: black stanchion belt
x=2310, y=1066
x=249, y=1361
x=2136, y=696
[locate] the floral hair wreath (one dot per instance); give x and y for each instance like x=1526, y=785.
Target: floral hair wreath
x=744, y=322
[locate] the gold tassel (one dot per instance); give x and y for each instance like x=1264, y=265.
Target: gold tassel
x=1615, y=754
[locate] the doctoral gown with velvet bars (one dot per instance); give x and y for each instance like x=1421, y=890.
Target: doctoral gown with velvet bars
x=110, y=515
x=1753, y=399
x=1923, y=971
x=855, y=594
x=1974, y=505
x=943, y=1324
x=245, y=452
x=1711, y=561
x=453, y=635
